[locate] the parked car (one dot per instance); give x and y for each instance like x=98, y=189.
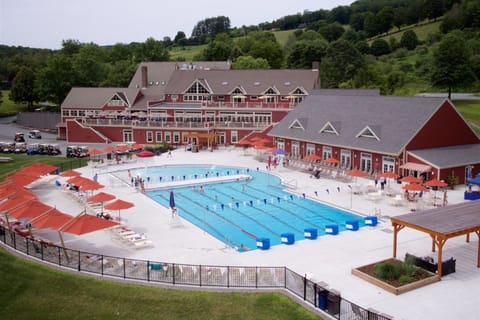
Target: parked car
x=35, y=134
x=20, y=147
x=77, y=151
x=33, y=148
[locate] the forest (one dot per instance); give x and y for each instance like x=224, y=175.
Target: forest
x=403, y=47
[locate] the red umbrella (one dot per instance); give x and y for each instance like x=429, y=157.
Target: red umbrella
x=86, y=223
x=119, y=205
x=356, y=173
x=22, y=179
x=88, y=186
x=414, y=187
x=435, y=183
x=145, y=154
x=16, y=201
x=95, y=152
x=101, y=197
x=388, y=175
x=108, y=149
x=38, y=169
x=31, y=209
x=331, y=160
x=411, y=179
x=312, y=157
x=70, y=173
x=54, y=219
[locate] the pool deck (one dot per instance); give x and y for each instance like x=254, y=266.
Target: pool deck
x=329, y=258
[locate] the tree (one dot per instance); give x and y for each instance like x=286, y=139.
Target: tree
x=71, y=47
x=304, y=52
x=249, y=62
x=409, y=40
x=56, y=78
x=433, y=9
x=332, y=32
x=340, y=64
x=219, y=49
x=379, y=47
x=180, y=35
x=268, y=50
x=89, y=65
x=209, y=28
x=451, y=66
x=23, y=87
x=152, y=50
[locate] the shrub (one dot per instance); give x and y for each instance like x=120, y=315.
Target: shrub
x=388, y=270
x=405, y=279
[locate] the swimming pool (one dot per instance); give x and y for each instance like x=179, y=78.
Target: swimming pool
x=238, y=211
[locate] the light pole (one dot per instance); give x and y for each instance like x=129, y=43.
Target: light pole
x=351, y=195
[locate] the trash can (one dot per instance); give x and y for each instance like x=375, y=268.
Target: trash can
x=323, y=299
x=310, y=233
x=333, y=304
x=287, y=238
x=371, y=221
x=263, y=243
x=351, y=225
x=331, y=229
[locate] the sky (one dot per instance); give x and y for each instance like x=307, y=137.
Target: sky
x=45, y=23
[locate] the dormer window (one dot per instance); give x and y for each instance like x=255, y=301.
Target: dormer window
x=367, y=132
x=328, y=128
x=296, y=124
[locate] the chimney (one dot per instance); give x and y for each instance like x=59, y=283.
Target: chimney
x=144, y=76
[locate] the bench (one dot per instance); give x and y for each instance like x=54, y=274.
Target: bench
x=5, y=159
x=448, y=266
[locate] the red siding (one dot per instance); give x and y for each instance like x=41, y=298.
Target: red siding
x=78, y=133
x=445, y=128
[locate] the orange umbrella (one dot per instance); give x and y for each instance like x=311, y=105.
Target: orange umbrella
x=70, y=173
x=10, y=190
x=119, y=205
x=356, y=173
x=435, y=183
x=79, y=180
x=15, y=202
x=331, y=160
x=88, y=186
x=22, y=179
x=414, y=187
x=54, y=219
x=108, y=149
x=95, y=152
x=411, y=179
x=86, y=223
x=38, y=169
x=312, y=157
x=388, y=175
x=101, y=197
x=31, y=209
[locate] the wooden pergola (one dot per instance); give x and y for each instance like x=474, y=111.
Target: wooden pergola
x=442, y=224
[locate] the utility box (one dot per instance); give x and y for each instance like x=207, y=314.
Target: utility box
x=287, y=238
x=331, y=229
x=310, y=233
x=371, y=221
x=263, y=243
x=333, y=305
x=352, y=225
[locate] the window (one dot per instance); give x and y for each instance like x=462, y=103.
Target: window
x=66, y=113
x=158, y=136
x=176, y=137
x=365, y=162
x=116, y=101
x=367, y=132
x=73, y=113
x=149, y=136
x=296, y=125
x=234, y=138
x=310, y=148
x=328, y=128
x=326, y=152
x=168, y=137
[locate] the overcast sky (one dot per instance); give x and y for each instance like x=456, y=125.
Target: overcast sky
x=45, y=23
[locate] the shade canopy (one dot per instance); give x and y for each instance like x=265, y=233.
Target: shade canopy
x=145, y=154
x=30, y=210
x=119, y=204
x=388, y=175
x=435, y=183
x=70, y=173
x=91, y=186
x=38, y=168
x=95, y=152
x=411, y=179
x=312, y=157
x=356, y=173
x=101, y=197
x=54, y=219
x=16, y=201
x=86, y=223
x=414, y=187
x=331, y=160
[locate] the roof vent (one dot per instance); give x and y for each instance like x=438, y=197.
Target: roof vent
x=256, y=83
x=224, y=83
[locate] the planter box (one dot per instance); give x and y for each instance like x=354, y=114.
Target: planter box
x=387, y=287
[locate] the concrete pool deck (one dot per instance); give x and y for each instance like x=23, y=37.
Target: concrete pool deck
x=328, y=259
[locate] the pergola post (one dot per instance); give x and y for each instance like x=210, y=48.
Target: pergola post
x=440, y=242
x=396, y=229
x=478, y=249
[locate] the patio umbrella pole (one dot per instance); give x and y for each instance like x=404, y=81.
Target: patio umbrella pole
x=63, y=245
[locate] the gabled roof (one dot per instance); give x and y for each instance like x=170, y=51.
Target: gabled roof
x=85, y=98
x=394, y=120
x=297, y=124
x=449, y=157
x=254, y=82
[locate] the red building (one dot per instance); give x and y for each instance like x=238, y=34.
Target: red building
x=175, y=103
x=408, y=135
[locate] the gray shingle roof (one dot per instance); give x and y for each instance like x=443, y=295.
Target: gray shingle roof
x=395, y=120
x=451, y=156
x=85, y=98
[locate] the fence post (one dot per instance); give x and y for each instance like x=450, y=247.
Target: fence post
x=305, y=288
x=173, y=279
x=124, y=269
x=148, y=270
x=200, y=275
x=256, y=277
x=228, y=276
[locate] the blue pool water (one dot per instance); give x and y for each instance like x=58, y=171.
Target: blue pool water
x=239, y=212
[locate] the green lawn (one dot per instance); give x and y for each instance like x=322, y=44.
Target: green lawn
x=470, y=111
x=8, y=107
x=422, y=31
x=186, y=53
x=33, y=291
x=282, y=36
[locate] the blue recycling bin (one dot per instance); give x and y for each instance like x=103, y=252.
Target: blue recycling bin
x=287, y=238
x=351, y=225
x=310, y=233
x=323, y=299
x=263, y=243
x=371, y=221
x=331, y=229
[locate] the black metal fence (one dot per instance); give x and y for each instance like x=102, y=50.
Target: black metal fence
x=315, y=294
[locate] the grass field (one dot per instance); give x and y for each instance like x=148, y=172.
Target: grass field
x=422, y=31
x=186, y=53
x=471, y=112
x=8, y=107
x=282, y=36
x=32, y=291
